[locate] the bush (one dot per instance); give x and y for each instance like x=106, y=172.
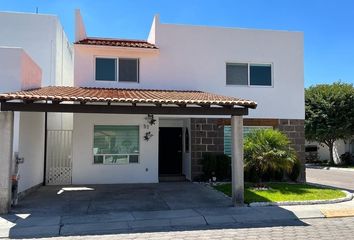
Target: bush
x=267, y=153
x=346, y=159
x=216, y=165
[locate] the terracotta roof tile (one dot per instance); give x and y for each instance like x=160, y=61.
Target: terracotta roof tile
x=117, y=43
x=121, y=95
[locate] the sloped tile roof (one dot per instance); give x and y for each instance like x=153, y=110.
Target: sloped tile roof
x=120, y=95
x=117, y=43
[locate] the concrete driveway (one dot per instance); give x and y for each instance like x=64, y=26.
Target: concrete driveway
x=97, y=199
x=340, y=178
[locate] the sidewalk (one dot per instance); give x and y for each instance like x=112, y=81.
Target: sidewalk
x=151, y=221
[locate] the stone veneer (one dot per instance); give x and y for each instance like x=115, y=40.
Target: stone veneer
x=295, y=130
x=207, y=135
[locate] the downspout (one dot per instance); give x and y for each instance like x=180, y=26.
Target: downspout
x=45, y=148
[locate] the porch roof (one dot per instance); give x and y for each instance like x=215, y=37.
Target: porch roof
x=119, y=98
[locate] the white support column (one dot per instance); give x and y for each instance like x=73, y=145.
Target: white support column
x=237, y=160
x=6, y=157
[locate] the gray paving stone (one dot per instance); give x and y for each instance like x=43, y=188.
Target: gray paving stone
x=34, y=231
x=308, y=213
x=109, y=217
x=189, y=221
x=219, y=219
x=93, y=228
x=149, y=223
x=139, y=215
x=38, y=221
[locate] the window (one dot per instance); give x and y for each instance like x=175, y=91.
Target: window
x=249, y=74
x=227, y=136
x=116, y=144
x=128, y=70
x=117, y=69
x=106, y=69
x=236, y=74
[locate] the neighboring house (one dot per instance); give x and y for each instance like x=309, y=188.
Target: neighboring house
x=322, y=152
x=41, y=38
x=19, y=71
x=146, y=110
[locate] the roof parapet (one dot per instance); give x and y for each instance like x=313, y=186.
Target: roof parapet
x=80, y=31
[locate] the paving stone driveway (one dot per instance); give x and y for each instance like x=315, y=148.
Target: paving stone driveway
x=98, y=199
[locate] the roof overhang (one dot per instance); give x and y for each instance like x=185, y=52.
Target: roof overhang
x=123, y=101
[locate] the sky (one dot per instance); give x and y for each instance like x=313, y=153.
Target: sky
x=328, y=25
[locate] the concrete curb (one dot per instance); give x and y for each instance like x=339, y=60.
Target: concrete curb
x=330, y=168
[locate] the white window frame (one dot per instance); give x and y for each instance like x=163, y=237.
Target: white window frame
x=117, y=69
x=118, y=154
x=249, y=74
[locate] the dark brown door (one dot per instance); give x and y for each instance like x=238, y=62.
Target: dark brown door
x=170, y=150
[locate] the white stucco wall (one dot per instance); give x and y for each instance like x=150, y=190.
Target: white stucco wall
x=31, y=148
x=19, y=71
x=43, y=38
x=85, y=172
x=195, y=57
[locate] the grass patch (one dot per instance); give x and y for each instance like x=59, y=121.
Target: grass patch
x=282, y=192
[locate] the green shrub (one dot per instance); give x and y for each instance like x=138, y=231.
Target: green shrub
x=216, y=165
x=346, y=159
x=267, y=153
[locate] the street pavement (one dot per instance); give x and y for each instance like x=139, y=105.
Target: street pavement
x=331, y=177
x=321, y=229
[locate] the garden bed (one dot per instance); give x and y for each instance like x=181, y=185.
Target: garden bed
x=285, y=192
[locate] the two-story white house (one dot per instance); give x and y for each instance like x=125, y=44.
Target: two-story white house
x=265, y=66
x=146, y=110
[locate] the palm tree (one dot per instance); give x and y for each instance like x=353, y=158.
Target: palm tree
x=267, y=150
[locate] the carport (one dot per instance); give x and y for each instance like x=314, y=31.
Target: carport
x=120, y=101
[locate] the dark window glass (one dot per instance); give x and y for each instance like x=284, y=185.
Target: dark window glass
x=128, y=70
x=261, y=75
x=106, y=69
x=236, y=74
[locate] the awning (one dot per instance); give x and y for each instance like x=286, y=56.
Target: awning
x=119, y=100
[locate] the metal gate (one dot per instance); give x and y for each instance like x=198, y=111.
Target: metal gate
x=59, y=150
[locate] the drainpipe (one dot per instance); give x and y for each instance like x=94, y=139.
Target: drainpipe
x=45, y=148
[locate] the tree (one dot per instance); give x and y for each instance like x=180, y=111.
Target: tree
x=268, y=150
x=329, y=111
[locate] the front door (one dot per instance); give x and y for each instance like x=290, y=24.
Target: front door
x=170, y=150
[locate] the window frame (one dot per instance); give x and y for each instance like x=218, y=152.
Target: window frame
x=118, y=154
x=117, y=69
x=249, y=74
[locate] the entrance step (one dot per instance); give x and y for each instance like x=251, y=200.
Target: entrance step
x=172, y=178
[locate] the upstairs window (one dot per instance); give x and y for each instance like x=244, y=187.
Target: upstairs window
x=249, y=74
x=128, y=70
x=106, y=69
x=117, y=69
